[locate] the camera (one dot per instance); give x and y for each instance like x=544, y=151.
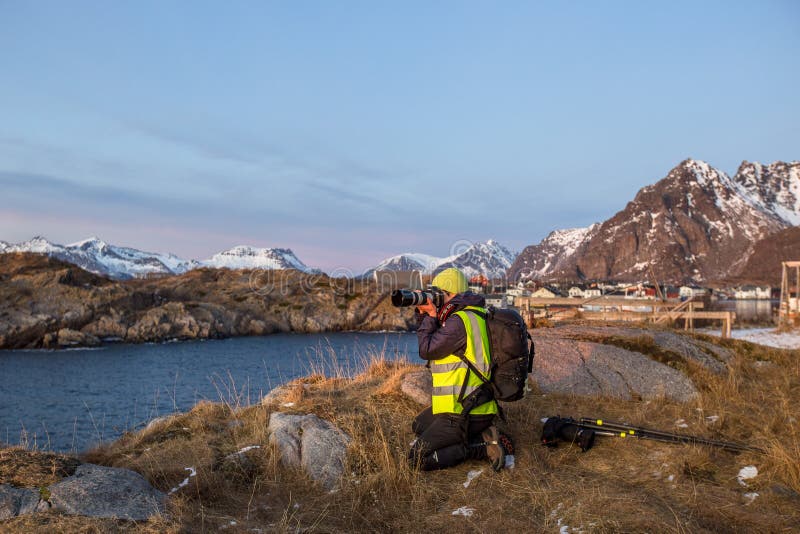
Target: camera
x=409, y=297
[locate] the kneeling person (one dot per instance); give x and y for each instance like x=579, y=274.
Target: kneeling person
x=446, y=434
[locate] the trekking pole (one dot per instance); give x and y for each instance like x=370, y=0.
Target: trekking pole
x=659, y=435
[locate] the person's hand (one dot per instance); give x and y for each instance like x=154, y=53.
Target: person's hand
x=427, y=309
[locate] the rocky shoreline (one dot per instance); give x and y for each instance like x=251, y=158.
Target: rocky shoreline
x=46, y=303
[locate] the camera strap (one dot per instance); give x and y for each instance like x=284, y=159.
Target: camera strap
x=445, y=312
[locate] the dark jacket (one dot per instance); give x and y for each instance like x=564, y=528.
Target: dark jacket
x=439, y=341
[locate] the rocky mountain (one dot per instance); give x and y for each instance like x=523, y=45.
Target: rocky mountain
x=696, y=224
x=123, y=263
x=764, y=264
x=552, y=255
x=244, y=257
x=490, y=259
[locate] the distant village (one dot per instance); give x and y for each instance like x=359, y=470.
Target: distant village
x=606, y=301
x=502, y=294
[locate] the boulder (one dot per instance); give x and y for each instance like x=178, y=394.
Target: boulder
x=17, y=501
x=418, y=385
x=592, y=369
x=98, y=491
x=688, y=348
x=307, y=441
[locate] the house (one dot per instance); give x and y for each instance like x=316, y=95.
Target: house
x=692, y=291
x=479, y=284
x=671, y=292
x=576, y=292
x=390, y=280
x=752, y=292
x=518, y=291
x=543, y=293
x=497, y=300
x=592, y=292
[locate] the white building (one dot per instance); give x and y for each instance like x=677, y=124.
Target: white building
x=592, y=292
x=691, y=291
x=752, y=292
x=498, y=301
x=575, y=292
x=543, y=293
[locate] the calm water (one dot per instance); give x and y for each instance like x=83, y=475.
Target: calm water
x=68, y=400
x=756, y=312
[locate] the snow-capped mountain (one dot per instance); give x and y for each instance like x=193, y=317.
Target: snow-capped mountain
x=774, y=189
x=409, y=261
x=552, y=254
x=123, y=263
x=695, y=224
x=99, y=257
x=245, y=257
x=490, y=259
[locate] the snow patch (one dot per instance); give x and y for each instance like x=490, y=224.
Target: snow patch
x=472, y=475
x=746, y=473
x=192, y=472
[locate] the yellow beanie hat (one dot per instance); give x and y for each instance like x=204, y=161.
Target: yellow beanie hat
x=451, y=280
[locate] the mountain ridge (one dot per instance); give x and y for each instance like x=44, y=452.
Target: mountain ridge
x=695, y=224
x=488, y=258
x=122, y=263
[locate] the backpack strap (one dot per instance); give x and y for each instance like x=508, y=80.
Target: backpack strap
x=531, y=352
x=482, y=394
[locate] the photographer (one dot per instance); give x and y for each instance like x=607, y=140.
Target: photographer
x=446, y=435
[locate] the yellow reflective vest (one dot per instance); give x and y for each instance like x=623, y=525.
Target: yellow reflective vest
x=449, y=372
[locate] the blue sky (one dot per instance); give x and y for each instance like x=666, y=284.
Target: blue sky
x=350, y=131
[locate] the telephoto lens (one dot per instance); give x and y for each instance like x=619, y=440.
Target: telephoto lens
x=406, y=297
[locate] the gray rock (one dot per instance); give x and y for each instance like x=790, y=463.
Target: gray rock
x=158, y=421
x=17, y=501
x=98, y=491
x=592, y=369
x=275, y=394
x=707, y=355
x=307, y=441
x=418, y=385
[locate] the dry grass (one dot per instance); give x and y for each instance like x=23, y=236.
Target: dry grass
x=621, y=485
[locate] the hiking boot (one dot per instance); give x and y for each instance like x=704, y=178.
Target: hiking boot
x=494, y=448
x=507, y=444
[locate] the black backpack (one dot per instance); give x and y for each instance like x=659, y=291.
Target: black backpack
x=512, y=359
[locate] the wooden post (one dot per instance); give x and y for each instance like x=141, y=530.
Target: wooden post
x=783, y=306
x=726, y=325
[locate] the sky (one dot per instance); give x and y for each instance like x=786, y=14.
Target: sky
x=352, y=131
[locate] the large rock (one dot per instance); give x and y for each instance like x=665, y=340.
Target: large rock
x=593, y=369
x=687, y=348
x=418, y=385
x=307, y=441
x=17, y=501
x=98, y=491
